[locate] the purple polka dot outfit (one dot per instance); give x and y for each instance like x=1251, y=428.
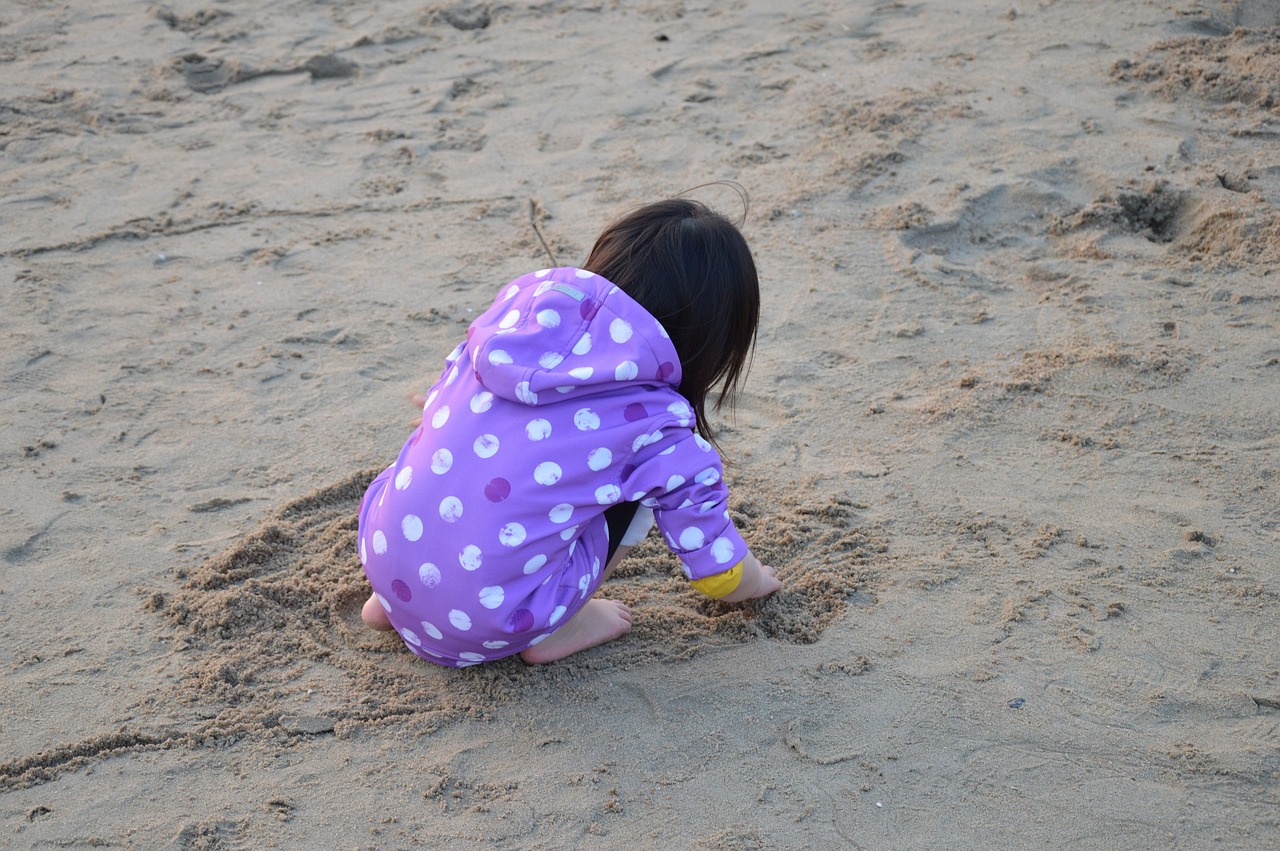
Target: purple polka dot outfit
x=488, y=531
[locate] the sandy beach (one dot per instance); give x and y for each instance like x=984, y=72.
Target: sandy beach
x=1011, y=435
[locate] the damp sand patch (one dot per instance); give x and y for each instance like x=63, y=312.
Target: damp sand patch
x=272, y=641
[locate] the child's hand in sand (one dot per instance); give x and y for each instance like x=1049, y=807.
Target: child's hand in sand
x=758, y=580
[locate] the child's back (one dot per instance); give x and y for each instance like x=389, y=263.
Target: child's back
x=490, y=533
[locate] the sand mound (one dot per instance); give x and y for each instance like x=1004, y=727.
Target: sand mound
x=272, y=634
x=1227, y=224
x=1240, y=70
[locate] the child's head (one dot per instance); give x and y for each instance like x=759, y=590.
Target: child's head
x=689, y=267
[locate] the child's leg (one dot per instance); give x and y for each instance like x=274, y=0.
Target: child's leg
x=598, y=621
x=595, y=623
x=374, y=616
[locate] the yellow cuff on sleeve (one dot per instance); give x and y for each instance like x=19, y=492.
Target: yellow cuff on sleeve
x=720, y=584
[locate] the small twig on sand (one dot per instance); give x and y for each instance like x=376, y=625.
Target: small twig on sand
x=534, y=209
x=188, y=545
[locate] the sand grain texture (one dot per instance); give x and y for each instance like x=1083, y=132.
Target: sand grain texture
x=1010, y=436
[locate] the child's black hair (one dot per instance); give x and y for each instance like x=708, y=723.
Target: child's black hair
x=691, y=268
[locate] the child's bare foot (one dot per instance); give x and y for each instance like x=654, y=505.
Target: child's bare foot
x=595, y=623
x=374, y=616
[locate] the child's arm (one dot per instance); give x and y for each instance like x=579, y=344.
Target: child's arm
x=754, y=580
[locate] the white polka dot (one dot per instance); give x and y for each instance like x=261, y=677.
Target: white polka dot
x=440, y=417
x=583, y=345
x=364, y=555
x=595, y=567
x=538, y=429
x=411, y=525
x=441, y=461
x=668, y=450
x=548, y=318
x=512, y=535
x=535, y=564
x=486, y=445
x=584, y=582
x=450, y=509
x=645, y=439
x=491, y=597
x=620, y=330
x=662, y=331
x=550, y=360
x=547, y=473
x=481, y=402
x=456, y=353
x=403, y=478
x=608, y=494
x=565, y=389
x=510, y=292
x=637, y=496
x=460, y=619
x=722, y=550
x=524, y=394
x=495, y=645
x=707, y=507
x=470, y=558
x=692, y=538
x=382, y=601
x=510, y=319
x=586, y=420
x=626, y=371
x=542, y=637
x=542, y=273
x=431, y=397
x=379, y=542
x=702, y=443
x=411, y=637
x=557, y=615
x=429, y=574
x=451, y=377
x=431, y=630
x=708, y=476
x=674, y=482
x=680, y=410
x=583, y=273
x=470, y=657
x=568, y=533
x=498, y=357
x=582, y=373
x=600, y=458
x=561, y=513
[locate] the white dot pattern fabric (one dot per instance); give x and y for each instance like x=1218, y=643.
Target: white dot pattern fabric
x=488, y=532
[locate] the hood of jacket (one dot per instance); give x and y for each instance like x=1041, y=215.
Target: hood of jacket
x=563, y=333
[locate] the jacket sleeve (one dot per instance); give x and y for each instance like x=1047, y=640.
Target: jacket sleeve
x=679, y=475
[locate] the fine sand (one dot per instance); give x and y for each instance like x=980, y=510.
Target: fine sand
x=1011, y=436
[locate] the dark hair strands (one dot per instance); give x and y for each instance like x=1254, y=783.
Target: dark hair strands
x=690, y=267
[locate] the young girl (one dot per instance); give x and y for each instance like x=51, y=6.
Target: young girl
x=570, y=419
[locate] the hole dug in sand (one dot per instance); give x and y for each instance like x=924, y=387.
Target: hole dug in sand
x=270, y=628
